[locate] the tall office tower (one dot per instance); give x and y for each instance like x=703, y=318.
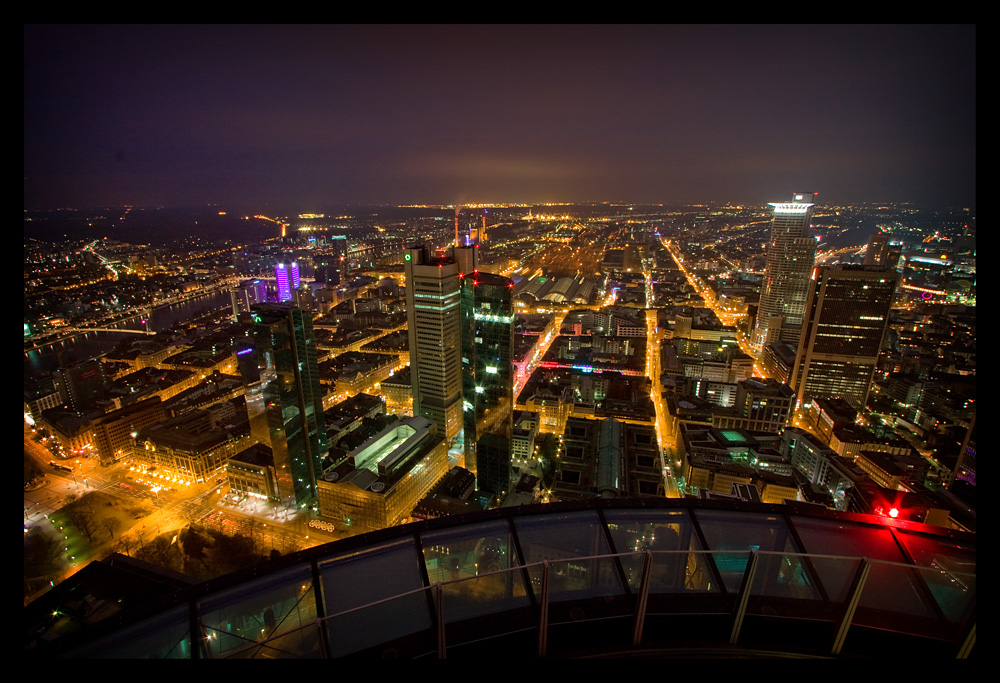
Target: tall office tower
x=791, y=254
x=881, y=252
x=245, y=294
x=488, y=378
x=260, y=290
x=288, y=280
x=328, y=268
x=847, y=315
x=433, y=301
x=284, y=278
x=284, y=399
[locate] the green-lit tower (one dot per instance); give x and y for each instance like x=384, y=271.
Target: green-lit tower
x=487, y=378
x=280, y=372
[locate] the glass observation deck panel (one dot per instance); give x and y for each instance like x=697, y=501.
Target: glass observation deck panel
x=745, y=531
x=164, y=636
x=795, y=586
x=843, y=539
x=950, y=575
x=928, y=551
x=470, y=563
x=380, y=600
x=560, y=538
x=665, y=533
x=234, y=619
x=831, y=537
x=371, y=576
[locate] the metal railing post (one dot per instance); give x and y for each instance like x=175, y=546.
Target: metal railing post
x=968, y=643
x=439, y=613
x=543, y=619
x=640, y=606
x=740, y=609
x=852, y=605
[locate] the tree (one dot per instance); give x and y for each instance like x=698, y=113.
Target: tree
x=111, y=524
x=158, y=551
x=127, y=543
x=83, y=520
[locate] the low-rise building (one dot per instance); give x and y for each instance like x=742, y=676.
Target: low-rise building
x=194, y=446
x=251, y=474
x=380, y=483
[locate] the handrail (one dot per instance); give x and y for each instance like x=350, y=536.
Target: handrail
x=754, y=557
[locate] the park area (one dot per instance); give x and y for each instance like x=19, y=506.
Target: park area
x=97, y=524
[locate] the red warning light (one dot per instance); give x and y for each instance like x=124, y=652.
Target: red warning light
x=893, y=512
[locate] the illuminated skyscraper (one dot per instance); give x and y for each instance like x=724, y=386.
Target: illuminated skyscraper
x=847, y=314
x=791, y=254
x=433, y=301
x=245, y=294
x=882, y=252
x=260, y=290
x=488, y=378
x=288, y=280
x=284, y=399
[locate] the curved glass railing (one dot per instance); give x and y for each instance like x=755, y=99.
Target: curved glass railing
x=589, y=582
x=839, y=596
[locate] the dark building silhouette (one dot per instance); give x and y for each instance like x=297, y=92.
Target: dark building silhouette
x=488, y=378
x=284, y=397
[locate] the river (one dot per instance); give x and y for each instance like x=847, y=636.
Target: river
x=93, y=344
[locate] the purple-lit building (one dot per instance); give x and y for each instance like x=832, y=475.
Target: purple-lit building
x=260, y=290
x=288, y=279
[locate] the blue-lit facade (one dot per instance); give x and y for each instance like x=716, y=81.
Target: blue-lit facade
x=284, y=398
x=605, y=578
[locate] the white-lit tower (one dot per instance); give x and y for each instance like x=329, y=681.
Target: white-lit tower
x=791, y=254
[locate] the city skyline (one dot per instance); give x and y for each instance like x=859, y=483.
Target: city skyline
x=313, y=116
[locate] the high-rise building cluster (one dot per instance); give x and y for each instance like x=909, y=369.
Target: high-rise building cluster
x=852, y=385
x=461, y=323
x=833, y=318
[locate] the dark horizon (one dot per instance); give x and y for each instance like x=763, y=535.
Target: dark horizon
x=317, y=116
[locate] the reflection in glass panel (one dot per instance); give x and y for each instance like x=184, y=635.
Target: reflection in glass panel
x=831, y=537
x=835, y=575
x=953, y=592
x=559, y=537
x=847, y=540
x=300, y=644
x=944, y=555
x=367, y=577
x=893, y=588
x=726, y=530
x=635, y=531
x=165, y=636
x=784, y=576
x=259, y=609
x=463, y=556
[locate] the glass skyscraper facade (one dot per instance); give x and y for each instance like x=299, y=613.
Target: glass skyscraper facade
x=847, y=315
x=791, y=254
x=284, y=399
x=433, y=300
x=488, y=378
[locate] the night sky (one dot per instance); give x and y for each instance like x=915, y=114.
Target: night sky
x=307, y=117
